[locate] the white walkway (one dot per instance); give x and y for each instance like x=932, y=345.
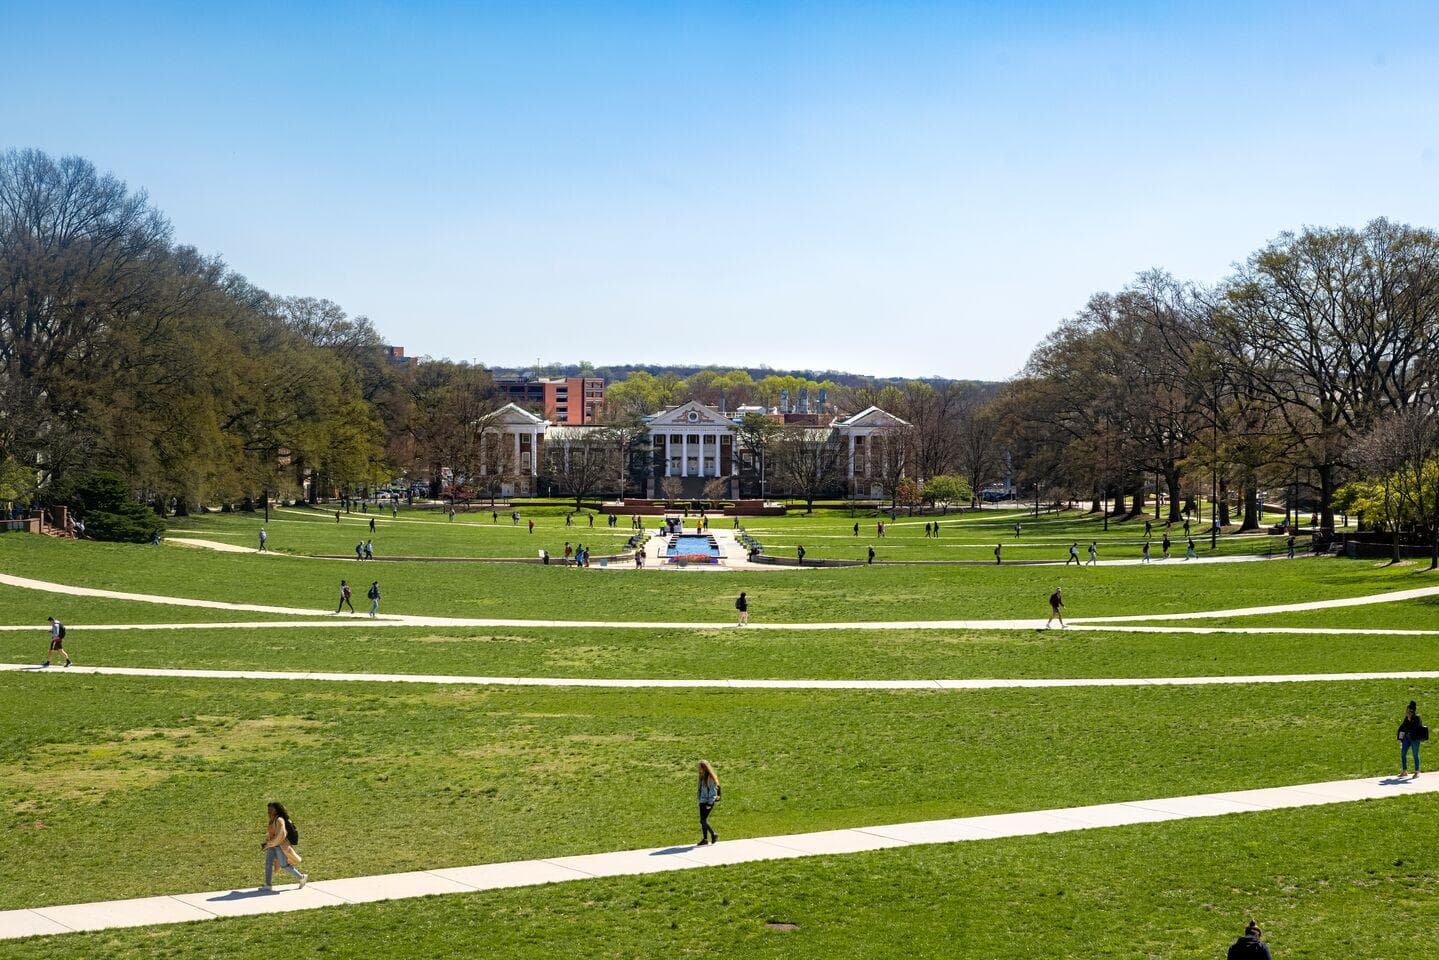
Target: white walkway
x=977, y=683
x=185, y=907
x=1394, y=596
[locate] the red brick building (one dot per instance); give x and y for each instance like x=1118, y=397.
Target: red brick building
x=571, y=401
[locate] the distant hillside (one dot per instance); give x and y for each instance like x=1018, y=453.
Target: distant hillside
x=621, y=371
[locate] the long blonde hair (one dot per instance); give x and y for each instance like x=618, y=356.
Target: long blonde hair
x=707, y=771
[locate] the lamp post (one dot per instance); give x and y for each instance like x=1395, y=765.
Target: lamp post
x=1214, y=477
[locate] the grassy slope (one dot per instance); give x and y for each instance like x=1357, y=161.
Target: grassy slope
x=730, y=653
x=533, y=591
x=132, y=786
x=1336, y=882
x=412, y=534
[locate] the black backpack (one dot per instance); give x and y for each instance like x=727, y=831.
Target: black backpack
x=62, y=631
x=292, y=833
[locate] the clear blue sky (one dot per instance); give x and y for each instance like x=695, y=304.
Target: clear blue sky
x=894, y=188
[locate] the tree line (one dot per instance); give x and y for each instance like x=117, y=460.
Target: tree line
x=1289, y=380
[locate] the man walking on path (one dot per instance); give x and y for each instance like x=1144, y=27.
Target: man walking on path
x=452, y=515
x=799, y=552
x=997, y=548
x=856, y=528
x=360, y=550
x=742, y=605
x=1093, y=553
x=1016, y=531
x=1146, y=552
x=374, y=595
x=1148, y=529
x=1165, y=545
x=1073, y=554
x=57, y=643
x=532, y=528
x=263, y=537
x=926, y=530
x=344, y=597
x=871, y=555
x=1056, y=603
x=1290, y=544
x=1251, y=946
x=369, y=550
x=372, y=524
x=1189, y=552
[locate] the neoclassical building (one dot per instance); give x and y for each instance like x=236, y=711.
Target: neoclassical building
x=693, y=443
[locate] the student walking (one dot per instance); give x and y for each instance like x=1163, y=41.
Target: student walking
x=372, y=524
x=592, y=519
x=1093, y=553
x=1146, y=552
x=1016, y=531
x=57, y=642
x=1056, y=604
x=926, y=530
x=337, y=516
x=742, y=605
x=1186, y=526
x=360, y=550
x=997, y=548
x=856, y=528
x=281, y=835
x=799, y=552
x=374, y=595
x=452, y=515
x=532, y=528
x=1073, y=554
x=369, y=550
x=569, y=552
x=1251, y=946
x=709, y=795
x=1148, y=529
x=344, y=597
x=1164, y=545
x=263, y=537
x=871, y=555
x=1290, y=545
x=1189, y=552
x=1412, y=732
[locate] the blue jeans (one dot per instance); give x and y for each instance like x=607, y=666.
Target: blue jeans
x=1405, y=745
x=274, y=856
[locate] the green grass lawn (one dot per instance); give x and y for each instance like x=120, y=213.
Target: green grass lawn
x=730, y=653
x=414, y=533
x=119, y=786
x=973, y=536
x=531, y=591
x=1328, y=883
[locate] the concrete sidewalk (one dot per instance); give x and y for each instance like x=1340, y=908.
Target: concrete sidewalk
x=185, y=907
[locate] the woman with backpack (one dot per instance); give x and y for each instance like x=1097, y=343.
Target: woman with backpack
x=709, y=795
x=1412, y=732
x=281, y=835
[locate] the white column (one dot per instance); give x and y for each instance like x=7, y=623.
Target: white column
x=534, y=453
x=684, y=454
x=868, y=453
x=516, y=471
x=851, y=456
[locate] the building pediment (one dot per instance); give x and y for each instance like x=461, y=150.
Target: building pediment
x=514, y=415
x=690, y=414
x=870, y=417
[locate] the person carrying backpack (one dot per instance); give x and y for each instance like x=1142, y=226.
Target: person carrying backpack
x=1412, y=732
x=742, y=605
x=709, y=795
x=1251, y=946
x=1056, y=604
x=374, y=595
x=57, y=643
x=281, y=835
x=344, y=597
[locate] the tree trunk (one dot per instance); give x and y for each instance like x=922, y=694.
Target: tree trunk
x=1251, y=507
x=1326, y=497
x=1171, y=483
x=1118, y=508
x=1137, y=505
x=1224, y=503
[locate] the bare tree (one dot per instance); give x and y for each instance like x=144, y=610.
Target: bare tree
x=808, y=463
x=583, y=463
